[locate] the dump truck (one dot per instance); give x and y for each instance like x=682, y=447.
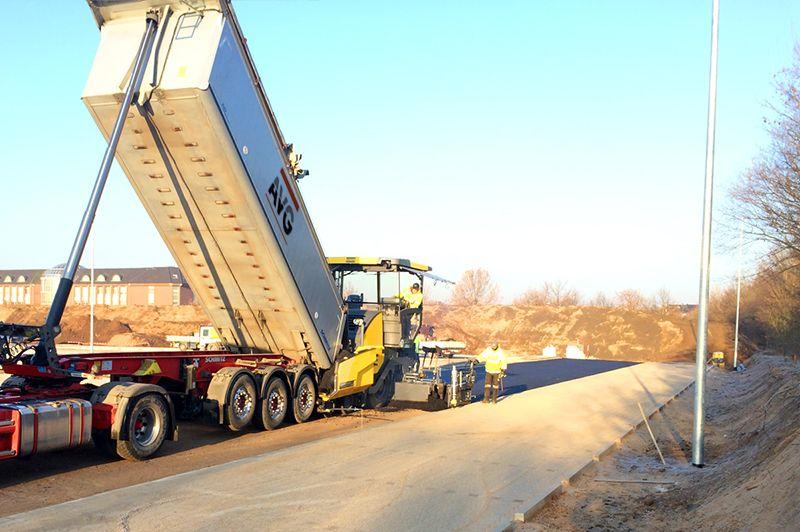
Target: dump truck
x=174, y=90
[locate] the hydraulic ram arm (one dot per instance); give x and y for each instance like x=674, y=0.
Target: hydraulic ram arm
x=45, y=354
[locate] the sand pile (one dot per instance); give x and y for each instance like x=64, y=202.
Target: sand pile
x=603, y=333
x=121, y=326
x=607, y=333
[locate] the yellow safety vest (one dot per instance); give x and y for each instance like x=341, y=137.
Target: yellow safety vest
x=495, y=360
x=412, y=300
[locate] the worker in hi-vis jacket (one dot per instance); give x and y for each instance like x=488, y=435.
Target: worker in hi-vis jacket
x=495, y=363
x=410, y=305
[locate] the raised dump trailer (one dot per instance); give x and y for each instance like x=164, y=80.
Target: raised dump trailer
x=174, y=90
x=204, y=153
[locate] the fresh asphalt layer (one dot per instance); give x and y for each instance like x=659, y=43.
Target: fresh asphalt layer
x=522, y=376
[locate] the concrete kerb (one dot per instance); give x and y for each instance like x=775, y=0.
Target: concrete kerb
x=535, y=505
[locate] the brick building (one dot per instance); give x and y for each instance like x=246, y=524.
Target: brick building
x=162, y=286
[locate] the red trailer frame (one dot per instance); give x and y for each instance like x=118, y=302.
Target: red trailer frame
x=208, y=378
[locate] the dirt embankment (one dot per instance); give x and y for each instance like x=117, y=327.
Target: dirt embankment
x=607, y=333
x=603, y=333
x=751, y=479
x=124, y=326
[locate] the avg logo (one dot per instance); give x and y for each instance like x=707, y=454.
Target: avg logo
x=278, y=195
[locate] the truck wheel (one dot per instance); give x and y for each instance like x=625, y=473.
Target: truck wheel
x=273, y=406
x=182, y=346
x=241, y=406
x=147, y=420
x=305, y=399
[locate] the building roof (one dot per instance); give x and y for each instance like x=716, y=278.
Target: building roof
x=154, y=275
x=29, y=276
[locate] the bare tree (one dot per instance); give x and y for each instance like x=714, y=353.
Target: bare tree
x=768, y=194
x=533, y=297
x=560, y=294
x=767, y=198
x=663, y=300
x=631, y=299
x=475, y=288
x=552, y=293
x=601, y=300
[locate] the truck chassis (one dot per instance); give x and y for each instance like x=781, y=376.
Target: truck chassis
x=145, y=396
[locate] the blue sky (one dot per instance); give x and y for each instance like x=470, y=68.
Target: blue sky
x=541, y=140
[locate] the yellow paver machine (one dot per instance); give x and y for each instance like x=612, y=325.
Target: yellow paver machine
x=412, y=369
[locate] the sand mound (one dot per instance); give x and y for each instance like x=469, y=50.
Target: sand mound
x=122, y=326
x=603, y=332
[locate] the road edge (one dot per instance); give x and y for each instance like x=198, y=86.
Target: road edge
x=533, y=506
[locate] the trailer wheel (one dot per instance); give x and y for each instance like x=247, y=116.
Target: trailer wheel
x=241, y=405
x=147, y=421
x=305, y=399
x=272, y=408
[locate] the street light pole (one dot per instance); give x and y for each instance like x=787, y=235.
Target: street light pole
x=705, y=253
x=738, y=298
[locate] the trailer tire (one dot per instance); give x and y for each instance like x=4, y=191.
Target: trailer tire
x=240, y=408
x=274, y=405
x=147, y=422
x=304, y=402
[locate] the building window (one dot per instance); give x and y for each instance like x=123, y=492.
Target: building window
x=115, y=296
x=86, y=279
x=176, y=295
x=76, y=295
x=13, y=294
x=21, y=279
x=116, y=278
x=101, y=278
x=85, y=294
x=27, y=295
x=151, y=295
x=7, y=279
x=123, y=295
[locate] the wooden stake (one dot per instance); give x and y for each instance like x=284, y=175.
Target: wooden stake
x=651, y=433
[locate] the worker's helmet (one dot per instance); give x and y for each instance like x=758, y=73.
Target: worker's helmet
x=415, y=286
x=495, y=345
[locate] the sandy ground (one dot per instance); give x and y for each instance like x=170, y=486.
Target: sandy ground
x=752, y=477
x=57, y=477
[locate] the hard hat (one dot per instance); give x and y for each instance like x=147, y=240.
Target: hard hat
x=415, y=286
x=495, y=345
